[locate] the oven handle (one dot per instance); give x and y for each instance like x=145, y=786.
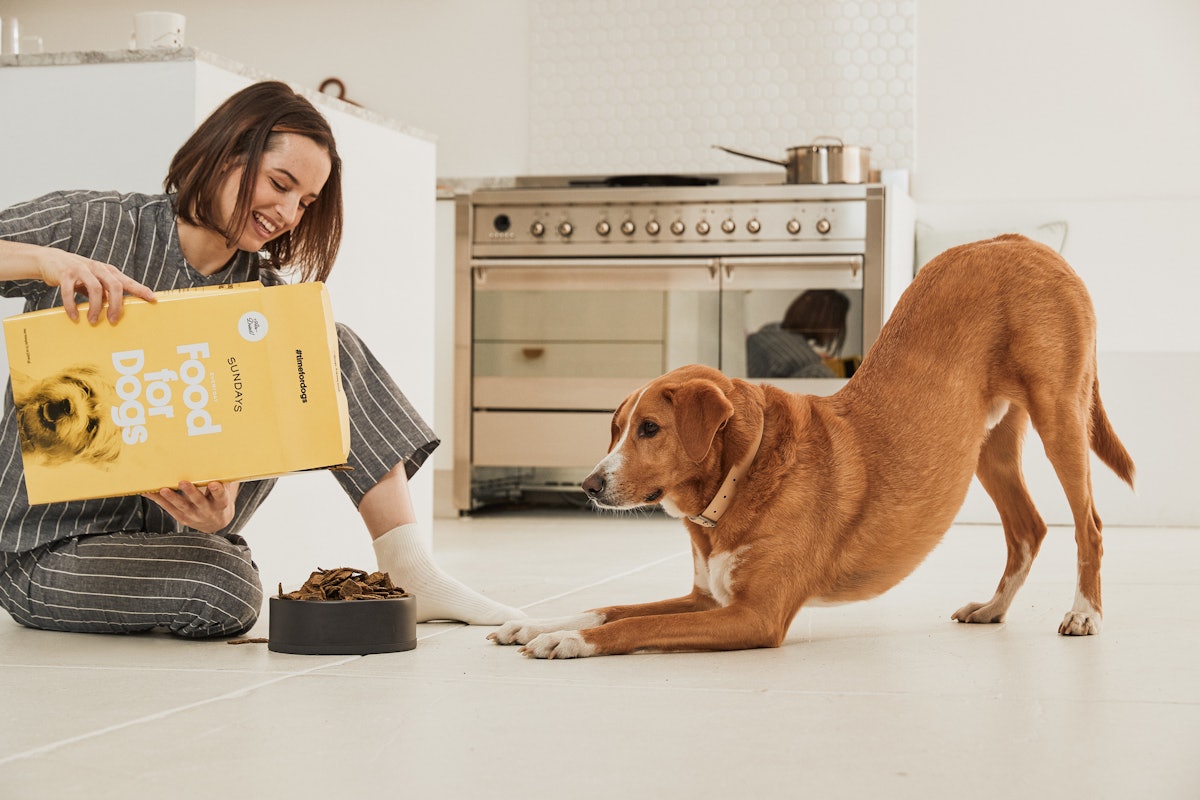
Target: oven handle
x=831, y=263
x=566, y=266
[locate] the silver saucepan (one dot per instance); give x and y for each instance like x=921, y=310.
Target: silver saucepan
x=820, y=163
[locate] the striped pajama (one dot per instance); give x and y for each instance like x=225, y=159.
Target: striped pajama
x=122, y=565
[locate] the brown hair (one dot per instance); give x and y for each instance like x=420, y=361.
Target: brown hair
x=239, y=132
x=819, y=315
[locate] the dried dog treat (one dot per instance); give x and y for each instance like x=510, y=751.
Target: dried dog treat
x=345, y=583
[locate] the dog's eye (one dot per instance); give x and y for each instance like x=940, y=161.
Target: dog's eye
x=647, y=429
x=93, y=425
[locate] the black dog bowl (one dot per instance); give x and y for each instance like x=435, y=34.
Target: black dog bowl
x=343, y=627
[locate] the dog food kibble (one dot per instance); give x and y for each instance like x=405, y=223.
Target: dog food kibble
x=345, y=583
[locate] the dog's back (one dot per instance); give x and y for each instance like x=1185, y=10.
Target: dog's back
x=979, y=330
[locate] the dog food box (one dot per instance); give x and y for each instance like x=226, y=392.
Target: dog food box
x=217, y=383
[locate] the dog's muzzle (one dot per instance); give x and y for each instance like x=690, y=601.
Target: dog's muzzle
x=596, y=487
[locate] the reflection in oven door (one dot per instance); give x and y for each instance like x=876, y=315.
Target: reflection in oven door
x=792, y=320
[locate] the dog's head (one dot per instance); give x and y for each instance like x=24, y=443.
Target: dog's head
x=670, y=440
x=66, y=417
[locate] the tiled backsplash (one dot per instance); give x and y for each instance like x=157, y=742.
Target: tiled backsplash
x=651, y=85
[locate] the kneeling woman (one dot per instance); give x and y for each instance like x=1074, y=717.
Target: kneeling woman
x=255, y=190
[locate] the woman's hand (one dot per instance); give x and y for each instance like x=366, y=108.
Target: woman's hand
x=207, y=509
x=102, y=283
x=73, y=274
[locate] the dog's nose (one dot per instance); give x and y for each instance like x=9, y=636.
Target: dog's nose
x=594, y=485
x=54, y=411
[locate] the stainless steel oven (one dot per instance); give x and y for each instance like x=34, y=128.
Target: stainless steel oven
x=569, y=295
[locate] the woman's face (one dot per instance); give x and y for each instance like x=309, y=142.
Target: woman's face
x=293, y=172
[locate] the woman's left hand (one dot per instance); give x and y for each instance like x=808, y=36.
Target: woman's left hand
x=207, y=509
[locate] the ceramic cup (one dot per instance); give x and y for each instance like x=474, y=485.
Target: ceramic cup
x=157, y=29
x=10, y=36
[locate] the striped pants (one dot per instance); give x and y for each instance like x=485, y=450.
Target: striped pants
x=189, y=583
x=192, y=584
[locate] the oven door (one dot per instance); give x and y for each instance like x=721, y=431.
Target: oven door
x=793, y=321
x=558, y=343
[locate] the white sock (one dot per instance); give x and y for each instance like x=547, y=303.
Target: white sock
x=405, y=555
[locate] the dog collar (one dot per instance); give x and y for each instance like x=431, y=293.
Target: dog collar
x=712, y=515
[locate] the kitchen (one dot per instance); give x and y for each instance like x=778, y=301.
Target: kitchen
x=1011, y=116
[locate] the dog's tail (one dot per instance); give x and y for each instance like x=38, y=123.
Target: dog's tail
x=1105, y=442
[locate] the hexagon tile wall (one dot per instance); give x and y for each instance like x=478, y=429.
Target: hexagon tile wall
x=650, y=85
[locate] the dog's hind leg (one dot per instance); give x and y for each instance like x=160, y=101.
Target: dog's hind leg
x=999, y=471
x=1064, y=431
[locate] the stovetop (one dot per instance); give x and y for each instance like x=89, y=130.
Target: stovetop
x=625, y=180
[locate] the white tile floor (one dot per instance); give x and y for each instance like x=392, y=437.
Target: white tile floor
x=881, y=699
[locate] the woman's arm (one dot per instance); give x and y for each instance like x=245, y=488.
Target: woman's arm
x=102, y=283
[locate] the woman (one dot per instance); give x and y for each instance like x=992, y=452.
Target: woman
x=255, y=190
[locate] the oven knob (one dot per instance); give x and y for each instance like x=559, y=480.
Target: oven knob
x=628, y=227
x=537, y=229
x=823, y=225
x=652, y=227
x=565, y=228
x=793, y=226
x=702, y=227
x=728, y=225
x=502, y=223
x=603, y=228
x=754, y=226
x=677, y=227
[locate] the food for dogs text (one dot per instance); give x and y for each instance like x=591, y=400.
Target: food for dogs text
x=157, y=391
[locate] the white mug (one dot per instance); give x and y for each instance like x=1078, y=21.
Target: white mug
x=157, y=29
x=10, y=36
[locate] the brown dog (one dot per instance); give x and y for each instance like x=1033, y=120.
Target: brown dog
x=845, y=495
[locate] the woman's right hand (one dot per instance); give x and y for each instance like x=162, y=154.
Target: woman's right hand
x=103, y=283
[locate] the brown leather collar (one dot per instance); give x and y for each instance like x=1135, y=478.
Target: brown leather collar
x=712, y=515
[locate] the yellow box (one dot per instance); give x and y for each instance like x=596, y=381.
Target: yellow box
x=224, y=383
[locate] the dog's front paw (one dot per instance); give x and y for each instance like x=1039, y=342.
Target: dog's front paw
x=1080, y=623
x=518, y=631
x=558, y=644
x=523, y=631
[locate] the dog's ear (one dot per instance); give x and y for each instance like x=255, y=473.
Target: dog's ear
x=20, y=386
x=701, y=410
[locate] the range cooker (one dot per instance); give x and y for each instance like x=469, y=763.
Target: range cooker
x=571, y=292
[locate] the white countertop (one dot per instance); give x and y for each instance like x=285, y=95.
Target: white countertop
x=185, y=54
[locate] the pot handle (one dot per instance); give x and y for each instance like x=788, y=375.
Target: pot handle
x=751, y=155
x=837, y=139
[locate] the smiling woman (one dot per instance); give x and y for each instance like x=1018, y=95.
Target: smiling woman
x=255, y=190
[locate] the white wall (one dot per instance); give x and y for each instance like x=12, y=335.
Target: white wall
x=1084, y=111
x=1025, y=111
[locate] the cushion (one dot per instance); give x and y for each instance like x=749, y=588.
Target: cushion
x=933, y=241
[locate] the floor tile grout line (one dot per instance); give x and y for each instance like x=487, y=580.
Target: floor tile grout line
x=624, y=574
x=49, y=748
x=603, y=581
